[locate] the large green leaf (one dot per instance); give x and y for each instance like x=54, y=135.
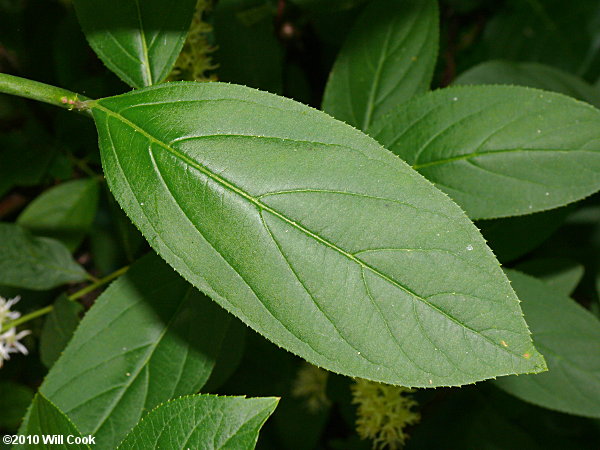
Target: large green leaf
x=388, y=57
x=499, y=150
x=44, y=420
x=150, y=337
x=531, y=75
x=35, y=263
x=203, y=422
x=312, y=234
x=64, y=212
x=139, y=40
x=568, y=335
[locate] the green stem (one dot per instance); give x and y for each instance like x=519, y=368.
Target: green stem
x=72, y=297
x=41, y=92
x=27, y=318
x=97, y=284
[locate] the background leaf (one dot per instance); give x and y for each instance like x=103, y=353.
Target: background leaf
x=34, y=263
x=499, y=150
x=139, y=40
x=58, y=329
x=568, y=336
x=554, y=32
x=149, y=337
x=248, y=51
x=299, y=223
x=25, y=156
x=512, y=237
x=46, y=419
x=64, y=212
x=388, y=57
x=533, y=75
x=14, y=400
x=202, y=421
x=562, y=274
x=484, y=417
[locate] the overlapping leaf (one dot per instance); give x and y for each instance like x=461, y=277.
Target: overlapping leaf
x=531, y=75
x=569, y=336
x=389, y=57
x=139, y=40
x=202, y=421
x=312, y=234
x=45, y=420
x=499, y=150
x=30, y=262
x=150, y=337
x=64, y=212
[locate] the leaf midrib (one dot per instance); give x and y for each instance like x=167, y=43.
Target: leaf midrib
x=476, y=154
x=146, y=64
x=262, y=206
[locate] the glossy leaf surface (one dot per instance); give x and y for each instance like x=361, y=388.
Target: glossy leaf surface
x=139, y=40
x=203, y=422
x=298, y=224
x=568, y=335
x=499, y=150
x=149, y=337
x=30, y=262
x=388, y=58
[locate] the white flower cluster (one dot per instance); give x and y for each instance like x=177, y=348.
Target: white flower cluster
x=9, y=340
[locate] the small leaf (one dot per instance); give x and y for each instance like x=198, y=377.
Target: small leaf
x=64, y=212
x=568, y=335
x=531, y=75
x=562, y=274
x=499, y=150
x=139, y=40
x=46, y=419
x=148, y=338
x=202, y=421
x=35, y=263
x=388, y=58
x=58, y=329
x=298, y=224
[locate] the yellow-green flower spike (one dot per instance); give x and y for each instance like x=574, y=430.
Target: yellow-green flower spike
x=311, y=383
x=384, y=411
x=194, y=62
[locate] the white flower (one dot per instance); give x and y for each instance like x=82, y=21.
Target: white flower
x=6, y=314
x=9, y=343
x=9, y=340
